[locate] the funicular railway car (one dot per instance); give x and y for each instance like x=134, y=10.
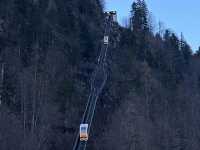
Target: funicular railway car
x=83, y=132
x=106, y=39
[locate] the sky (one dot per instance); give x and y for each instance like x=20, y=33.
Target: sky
x=177, y=15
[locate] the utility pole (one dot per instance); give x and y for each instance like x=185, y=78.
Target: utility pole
x=2, y=72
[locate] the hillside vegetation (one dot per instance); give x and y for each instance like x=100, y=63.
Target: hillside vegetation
x=48, y=50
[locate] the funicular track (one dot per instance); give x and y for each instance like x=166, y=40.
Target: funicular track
x=97, y=83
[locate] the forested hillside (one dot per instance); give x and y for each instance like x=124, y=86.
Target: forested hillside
x=48, y=51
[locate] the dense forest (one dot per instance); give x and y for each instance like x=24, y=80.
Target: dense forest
x=48, y=51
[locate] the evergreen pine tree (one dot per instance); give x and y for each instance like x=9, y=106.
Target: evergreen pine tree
x=185, y=49
x=140, y=28
x=198, y=52
x=173, y=59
